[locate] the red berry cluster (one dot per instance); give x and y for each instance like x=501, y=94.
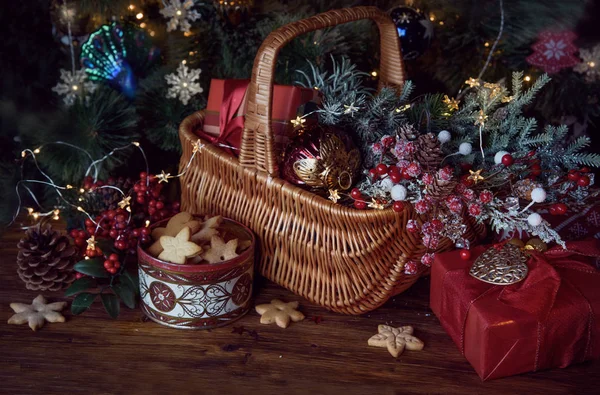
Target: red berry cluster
x=112, y=264
x=359, y=201
x=125, y=226
x=580, y=177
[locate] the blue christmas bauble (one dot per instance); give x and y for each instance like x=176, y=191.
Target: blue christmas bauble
x=415, y=31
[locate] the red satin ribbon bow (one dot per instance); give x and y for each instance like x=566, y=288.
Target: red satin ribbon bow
x=231, y=124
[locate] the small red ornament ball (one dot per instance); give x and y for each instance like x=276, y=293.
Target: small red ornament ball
x=559, y=209
x=398, y=206
x=355, y=193
x=508, y=160
x=360, y=204
x=583, y=181
x=585, y=169
x=373, y=174
x=465, y=255
x=381, y=169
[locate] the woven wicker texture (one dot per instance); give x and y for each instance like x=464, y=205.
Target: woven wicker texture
x=347, y=260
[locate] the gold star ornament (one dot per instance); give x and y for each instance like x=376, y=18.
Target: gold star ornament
x=376, y=205
x=481, y=118
x=91, y=243
x=475, y=176
x=472, y=82
x=197, y=146
x=298, y=121
x=334, y=196
x=125, y=202
x=451, y=103
x=163, y=177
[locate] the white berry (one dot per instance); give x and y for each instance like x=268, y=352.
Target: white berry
x=444, y=136
x=498, y=157
x=387, y=184
x=399, y=193
x=465, y=149
x=538, y=195
x=534, y=219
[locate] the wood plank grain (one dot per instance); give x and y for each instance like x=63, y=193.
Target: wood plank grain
x=92, y=353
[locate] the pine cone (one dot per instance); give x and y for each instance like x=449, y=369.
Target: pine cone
x=440, y=189
x=46, y=259
x=428, y=151
x=407, y=132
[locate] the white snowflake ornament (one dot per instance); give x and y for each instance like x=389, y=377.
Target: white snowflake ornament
x=180, y=14
x=590, y=65
x=74, y=85
x=184, y=84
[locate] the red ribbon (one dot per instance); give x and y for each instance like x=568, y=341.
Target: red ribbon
x=231, y=125
x=556, y=270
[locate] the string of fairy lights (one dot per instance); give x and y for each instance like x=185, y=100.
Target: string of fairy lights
x=124, y=203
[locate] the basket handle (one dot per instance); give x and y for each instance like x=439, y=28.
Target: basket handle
x=257, y=140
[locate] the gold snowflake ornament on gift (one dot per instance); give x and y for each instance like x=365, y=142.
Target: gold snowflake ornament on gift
x=396, y=339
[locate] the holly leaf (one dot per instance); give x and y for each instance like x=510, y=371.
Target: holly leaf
x=91, y=267
x=80, y=285
x=111, y=304
x=107, y=246
x=131, y=280
x=82, y=302
x=125, y=293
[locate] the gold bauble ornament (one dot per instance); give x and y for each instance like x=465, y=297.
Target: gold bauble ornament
x=517, y=242
x=536, y=244
x=322, y=159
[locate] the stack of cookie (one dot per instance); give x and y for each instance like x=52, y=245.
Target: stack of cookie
x=189, y=240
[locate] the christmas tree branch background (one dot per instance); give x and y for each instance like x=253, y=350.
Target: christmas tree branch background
x=35, y=49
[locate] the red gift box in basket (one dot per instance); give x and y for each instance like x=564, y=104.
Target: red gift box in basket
x=347, y=260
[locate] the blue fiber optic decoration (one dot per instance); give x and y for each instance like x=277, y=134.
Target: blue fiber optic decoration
x=116, y=54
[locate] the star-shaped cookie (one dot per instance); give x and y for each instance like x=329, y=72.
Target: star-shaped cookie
x=396, y=339
x=37, y=313
x=220, y=251
x=279, y=312
x=174, y=226
x=209, y=229
x=177, y=249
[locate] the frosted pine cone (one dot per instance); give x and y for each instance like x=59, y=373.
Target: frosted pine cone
x=407, y=132
x=46, y=259
x=428, y=151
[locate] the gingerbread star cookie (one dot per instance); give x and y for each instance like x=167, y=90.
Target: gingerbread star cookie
x=177, y=249
x=396, y=339
x=174, y=226
x=208, y=230
x=220, y=251
x=279, y=312
x=37, y=313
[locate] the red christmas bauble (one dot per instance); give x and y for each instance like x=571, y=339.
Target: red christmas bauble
x=465, y=255
x=583, y=181
x=507, y=160
x=355, y=193
x=560, y=208
x=398, y=206
x=381, y=169
x=360, y=204
x=573, y=175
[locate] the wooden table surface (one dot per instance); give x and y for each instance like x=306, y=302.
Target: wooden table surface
x=95, y=354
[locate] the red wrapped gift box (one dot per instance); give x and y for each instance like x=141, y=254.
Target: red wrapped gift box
x=545, y=321
x=224, y=115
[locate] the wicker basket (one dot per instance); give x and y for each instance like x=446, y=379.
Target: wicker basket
x=347, y=260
